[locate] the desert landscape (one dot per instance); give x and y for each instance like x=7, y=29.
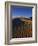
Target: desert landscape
x=22, y=27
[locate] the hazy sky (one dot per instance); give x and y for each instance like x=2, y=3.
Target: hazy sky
x=21, y=11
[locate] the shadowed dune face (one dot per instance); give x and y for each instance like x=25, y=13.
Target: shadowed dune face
x=21, y=28
x=17, y=22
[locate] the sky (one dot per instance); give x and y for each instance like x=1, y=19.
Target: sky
x=21, y=11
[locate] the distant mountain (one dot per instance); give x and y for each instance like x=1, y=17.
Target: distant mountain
x=13, y=17
x=22, y=18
